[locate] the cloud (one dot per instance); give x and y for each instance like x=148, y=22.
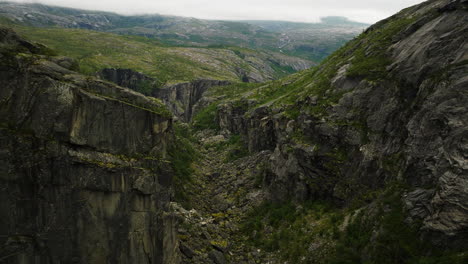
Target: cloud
x=368, y=11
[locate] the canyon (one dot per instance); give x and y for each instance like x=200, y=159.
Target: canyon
x=360, y=159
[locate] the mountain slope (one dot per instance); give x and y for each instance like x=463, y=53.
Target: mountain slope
x=95, y=51
x=313, y=41
x=360, y=160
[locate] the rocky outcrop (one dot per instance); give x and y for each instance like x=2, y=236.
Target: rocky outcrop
x=406, y=125
x=258, y=127
x=129, y=78
x=182, y=98
x=82, y=176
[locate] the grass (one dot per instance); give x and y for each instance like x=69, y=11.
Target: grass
x=237, y=148
x=234, y=90
x=395, y=242
x=366, y=55
x=312, y=82
x=382, y=237
x=371, y=58
x=182, y=154
x=206, y=118
x=98, y=50
x=289, y=229
x=146, y=87
x=282, y=70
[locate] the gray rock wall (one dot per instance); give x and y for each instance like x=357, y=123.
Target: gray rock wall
x=82, y=177
x=411, y=128
x=182, y=98
x=129, y=78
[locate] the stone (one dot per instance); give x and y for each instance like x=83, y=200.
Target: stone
x=188, y=252
x=217, y=257
x=417, y=203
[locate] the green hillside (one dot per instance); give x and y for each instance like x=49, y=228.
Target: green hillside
x=311, y=41
x=97, y=50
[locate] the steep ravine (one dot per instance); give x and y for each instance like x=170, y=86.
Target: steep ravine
x=363, y=158
x=221, y=193
x=364, y=130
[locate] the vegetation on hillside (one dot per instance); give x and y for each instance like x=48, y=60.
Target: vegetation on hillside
x=365, y=58
x=182, y=155
x=319, y=232
x=312, y=41
x=373, y=226
x=98, y=50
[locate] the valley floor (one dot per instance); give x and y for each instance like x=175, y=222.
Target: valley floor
x=224, y=189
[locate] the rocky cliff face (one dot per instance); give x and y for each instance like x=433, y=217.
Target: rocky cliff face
x=388, y=108
x=129, y=78
x=183, y=98
x=82, y=178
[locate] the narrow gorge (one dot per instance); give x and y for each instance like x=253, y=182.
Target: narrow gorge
x=361, y=159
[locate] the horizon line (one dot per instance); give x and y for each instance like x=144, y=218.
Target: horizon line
x=320, y=19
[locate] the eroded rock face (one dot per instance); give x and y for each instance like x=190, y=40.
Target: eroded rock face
x=182, y=98
x=411, y=128
x=81, y=179
x=129, y=78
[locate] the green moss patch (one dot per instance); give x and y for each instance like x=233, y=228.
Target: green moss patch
x=206, y=118
x=182, y=155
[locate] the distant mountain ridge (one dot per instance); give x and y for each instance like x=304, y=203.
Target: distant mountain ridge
x=312, y=41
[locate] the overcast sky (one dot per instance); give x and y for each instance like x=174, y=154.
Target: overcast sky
x=369, y=11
